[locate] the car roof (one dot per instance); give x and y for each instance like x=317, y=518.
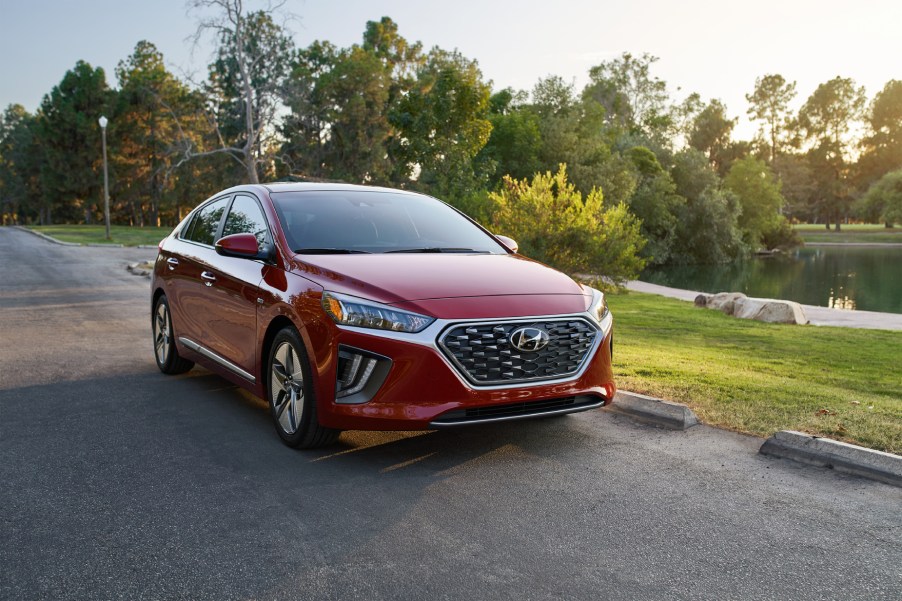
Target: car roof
x=324, y=186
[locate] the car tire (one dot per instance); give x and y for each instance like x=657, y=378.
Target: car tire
x=289, y=392
x=164, y=349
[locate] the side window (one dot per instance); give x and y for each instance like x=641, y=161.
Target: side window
x=245, y=217
x=205, y=224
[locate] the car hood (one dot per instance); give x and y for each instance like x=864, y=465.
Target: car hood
x=410, y=280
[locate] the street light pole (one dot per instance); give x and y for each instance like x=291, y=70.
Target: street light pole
x=106, y=180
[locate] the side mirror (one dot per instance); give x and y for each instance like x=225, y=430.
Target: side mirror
x=243, y=246
x=508, y=242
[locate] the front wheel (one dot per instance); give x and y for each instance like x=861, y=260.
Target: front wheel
x=167, y=355
x=290, y=393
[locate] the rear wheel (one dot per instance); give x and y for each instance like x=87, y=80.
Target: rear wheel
x=167, y=355
x=290, y=394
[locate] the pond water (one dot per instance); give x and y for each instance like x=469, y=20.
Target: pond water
x=867, y=278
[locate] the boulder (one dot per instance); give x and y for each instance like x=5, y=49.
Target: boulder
x=760, y=309
x=725, y=301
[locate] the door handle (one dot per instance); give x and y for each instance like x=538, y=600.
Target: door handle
x=172, y=263
x=208, y=278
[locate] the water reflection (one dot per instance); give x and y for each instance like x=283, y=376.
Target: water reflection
x=865, y=278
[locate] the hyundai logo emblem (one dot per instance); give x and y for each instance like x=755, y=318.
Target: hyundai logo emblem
x=529, y=339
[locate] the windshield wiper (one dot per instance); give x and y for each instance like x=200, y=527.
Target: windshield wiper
x=436, y=249
x=331, y=251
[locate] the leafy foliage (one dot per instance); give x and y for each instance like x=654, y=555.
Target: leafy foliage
x=884, y=199
x=553, y=223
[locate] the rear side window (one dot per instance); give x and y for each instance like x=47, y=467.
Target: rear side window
x=205, y=224
x=245, y=217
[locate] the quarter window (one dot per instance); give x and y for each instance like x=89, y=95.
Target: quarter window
x=206, y=223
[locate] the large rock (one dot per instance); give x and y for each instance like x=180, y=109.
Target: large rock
x=760, y=309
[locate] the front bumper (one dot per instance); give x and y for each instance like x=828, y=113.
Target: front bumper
x=423, y=389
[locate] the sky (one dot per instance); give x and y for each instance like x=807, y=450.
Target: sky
x=714, y=47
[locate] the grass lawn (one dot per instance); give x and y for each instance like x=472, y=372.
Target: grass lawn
x=96, y=234
x=758, y=378
x=850, y=234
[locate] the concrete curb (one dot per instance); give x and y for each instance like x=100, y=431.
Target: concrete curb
x=46, y=237
x=653, y=411
x=833, y=454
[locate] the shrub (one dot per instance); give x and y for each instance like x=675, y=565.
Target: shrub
x=553, y=223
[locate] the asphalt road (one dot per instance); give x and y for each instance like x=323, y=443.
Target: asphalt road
x=121, y=483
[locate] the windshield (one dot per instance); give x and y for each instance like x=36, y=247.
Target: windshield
x=374, y=221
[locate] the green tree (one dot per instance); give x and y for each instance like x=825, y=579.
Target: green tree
x=798, y=186
x=882, y=146
x=69, y=137
x=826, y=120
x=707, y=230
x=572, y=133
x=635, y=101
x=883, y=199
x=440, y=125
x=515, y=141
x=554, y=223
x=656, y=203
x=153, y=109
x=758, y=191
x=769, y=104
x=19, y=166
x=711, y=131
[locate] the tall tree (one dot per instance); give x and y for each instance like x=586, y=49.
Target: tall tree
x=441, y=124
x=769, y=103
x=246, y=82
x=634, y=100
x=69, y=136
x=827, y=119
x=758, y=190
x=882, y=145
x=19, y=166
x=710, y=134
x=515, y=141
x=656, y=203
x=572, y=132
x=153, y=111
x=883, y=199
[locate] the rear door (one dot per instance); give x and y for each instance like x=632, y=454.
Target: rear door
x=191, y=254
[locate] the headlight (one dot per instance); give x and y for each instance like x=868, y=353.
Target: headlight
x=599, y=307
x=353, y=311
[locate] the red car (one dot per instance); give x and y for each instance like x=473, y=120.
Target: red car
x=353, y=307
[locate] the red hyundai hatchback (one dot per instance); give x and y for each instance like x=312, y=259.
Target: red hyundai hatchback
x=353, y=307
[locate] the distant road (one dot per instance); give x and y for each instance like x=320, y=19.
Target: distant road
x=121, y=483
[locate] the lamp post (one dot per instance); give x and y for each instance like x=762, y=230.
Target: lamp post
x=106, y=180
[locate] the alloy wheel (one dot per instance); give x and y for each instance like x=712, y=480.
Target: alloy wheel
x=287, y=388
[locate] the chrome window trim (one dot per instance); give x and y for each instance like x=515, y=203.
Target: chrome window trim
x=214, y=357
x=429, y=338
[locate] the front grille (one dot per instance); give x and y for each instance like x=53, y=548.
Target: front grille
x=518, y=410
x=484, y=353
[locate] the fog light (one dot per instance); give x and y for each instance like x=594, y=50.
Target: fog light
x=359, y=375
